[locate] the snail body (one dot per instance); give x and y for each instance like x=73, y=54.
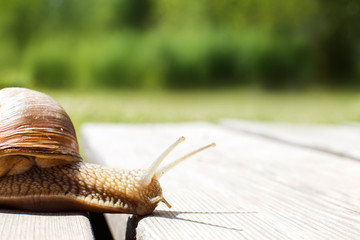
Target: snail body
x=41, y=168
x=79, y=186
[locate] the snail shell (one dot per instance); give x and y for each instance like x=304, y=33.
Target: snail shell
x=41, y=168
x=34, y=129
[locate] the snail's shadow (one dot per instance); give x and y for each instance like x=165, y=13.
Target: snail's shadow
x=179, y=215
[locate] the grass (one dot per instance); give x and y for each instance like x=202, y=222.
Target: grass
x=126, y=106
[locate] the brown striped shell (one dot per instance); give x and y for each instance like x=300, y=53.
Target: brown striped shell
x=34, y=129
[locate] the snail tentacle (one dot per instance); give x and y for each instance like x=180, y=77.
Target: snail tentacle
x=168, y=167
x=149, y=174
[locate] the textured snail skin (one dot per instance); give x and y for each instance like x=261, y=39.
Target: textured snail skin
x=80, y=186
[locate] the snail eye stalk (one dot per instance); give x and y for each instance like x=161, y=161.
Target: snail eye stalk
x=153, y=169
x=149, y=174
x=170, y=166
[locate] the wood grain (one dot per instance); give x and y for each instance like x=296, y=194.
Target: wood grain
x=31, y=225
x=340, y=140
x=246, y=188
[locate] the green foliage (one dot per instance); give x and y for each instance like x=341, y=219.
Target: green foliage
x=283, y=64
x=51, y=64
x=207, y=60
x=113, y=66
x=183, y=61
x=337, y=42
x=179, y=44
x=52, y=71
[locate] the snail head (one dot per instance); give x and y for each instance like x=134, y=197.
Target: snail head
x=148, y=180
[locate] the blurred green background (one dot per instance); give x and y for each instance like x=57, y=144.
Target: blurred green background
x=139, y=53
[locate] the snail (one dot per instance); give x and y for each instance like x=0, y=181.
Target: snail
x=41, y=168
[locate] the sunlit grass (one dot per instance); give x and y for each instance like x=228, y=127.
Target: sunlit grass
x=125, y=106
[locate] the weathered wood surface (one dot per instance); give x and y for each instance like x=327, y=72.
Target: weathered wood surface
x=245, y=188
x=341, y=140
x=31, y=225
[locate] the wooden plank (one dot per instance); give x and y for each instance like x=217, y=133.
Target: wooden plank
x=246, y=188
x=30, y=225
x=341, y=140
